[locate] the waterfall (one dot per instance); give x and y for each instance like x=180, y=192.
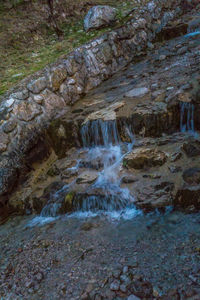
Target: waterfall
x=98, y=132
x=102, y=143
x=102, y=140
x=187, y=117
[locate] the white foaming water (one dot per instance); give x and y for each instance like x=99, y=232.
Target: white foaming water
x=39, y=221
x=102, y=143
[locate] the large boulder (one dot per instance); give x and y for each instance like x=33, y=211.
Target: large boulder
x=188, y=197
x=99, y=16
x=192, y=148
x=192, y=176
x=151, y=195
x=141, y=158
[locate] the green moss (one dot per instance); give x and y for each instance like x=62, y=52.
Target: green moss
x=68, y=202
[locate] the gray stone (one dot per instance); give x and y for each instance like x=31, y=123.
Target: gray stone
x=144, y=157
x=9, y=126
x=4, y=140
x=116, y=273
x=58, y=75
x=192, y=176
x=52, y=103
x=176, y=156
x=125, y=279
x=38, y=99
x=8, y=103
x=99, y=16
x=133, y=297
x=191, y=149
x=37, y=85
x=123, y=288
x=21, y=95
x=188, y=196
x=182, y=50
x=26, y=111
x=87, y=177
x=39, y=276
x=162, y=57
x=129, y=179
x=137, y=92
x=115, y=285
x=175, y=169
x=125, y=269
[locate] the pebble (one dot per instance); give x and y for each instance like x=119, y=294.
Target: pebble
x=162, y=57
x=175, y=169
x=125, y=269
x=116, y=273
x=28, y=284
x=123, y=288
x=182, y=50
x=125, y=279
x=133, y=297
x=115, y=285
x=39, y=276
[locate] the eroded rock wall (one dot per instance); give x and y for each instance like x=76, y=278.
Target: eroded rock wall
x=27, y=110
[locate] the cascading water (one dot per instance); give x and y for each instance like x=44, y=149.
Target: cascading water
x=102, y=143
x=98, y=132
x=187, y=117
x=192, y=34
x=102, y=140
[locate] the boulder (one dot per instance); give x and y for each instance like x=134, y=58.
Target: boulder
x=144, y=158
x=37, y=85
x=191, y=149
x=87, y=177
x=154, y=195
x=27, y=111
x=137, y=92
x=192, y=176
x=99, y=16
x=188, y=196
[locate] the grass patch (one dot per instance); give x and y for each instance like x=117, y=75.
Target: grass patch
x=23, y=57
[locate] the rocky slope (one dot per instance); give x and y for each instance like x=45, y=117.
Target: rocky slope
x=155, y=98
x=27, y=111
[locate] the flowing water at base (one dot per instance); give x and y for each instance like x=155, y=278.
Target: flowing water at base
x=105, y=196
x=103, y=148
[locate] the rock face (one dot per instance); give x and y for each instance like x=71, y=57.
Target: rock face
x=138, y=92
x=144, y=158
x=99, y=16
x=153, y=195
x=188, y=198
x=53, y=90
x=87, y=177
x=192, y=176
x=46, y=112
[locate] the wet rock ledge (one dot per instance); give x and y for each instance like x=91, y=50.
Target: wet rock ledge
x=27, y=110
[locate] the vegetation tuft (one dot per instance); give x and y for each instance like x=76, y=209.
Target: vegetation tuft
x=28, y=42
